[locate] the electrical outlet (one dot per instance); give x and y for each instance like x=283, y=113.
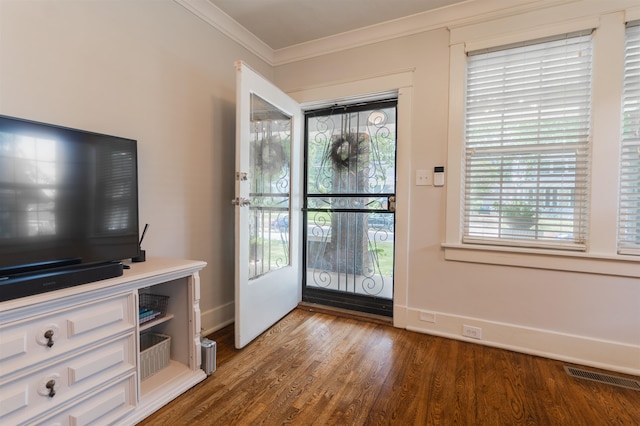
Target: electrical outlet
x=423, y=178
x=428, y=316
x=473, y=332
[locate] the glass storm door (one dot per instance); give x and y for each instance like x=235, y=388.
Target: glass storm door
x=267, y=212
x=349, y=206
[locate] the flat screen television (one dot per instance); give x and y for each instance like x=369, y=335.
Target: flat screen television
x=68, y=206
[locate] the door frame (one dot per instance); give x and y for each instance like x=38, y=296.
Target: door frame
x=399, y=83
x=350, y=299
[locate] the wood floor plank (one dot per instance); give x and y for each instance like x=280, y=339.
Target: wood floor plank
x=315, y=368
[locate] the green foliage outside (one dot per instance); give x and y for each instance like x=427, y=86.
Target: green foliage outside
x=516, y=208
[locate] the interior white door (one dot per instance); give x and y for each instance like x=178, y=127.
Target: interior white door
x=267, y=212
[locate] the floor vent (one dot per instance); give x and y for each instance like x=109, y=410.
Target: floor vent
x=603, y=378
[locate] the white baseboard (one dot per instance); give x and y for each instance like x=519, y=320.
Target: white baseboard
x=217, y=318
x=608, y=355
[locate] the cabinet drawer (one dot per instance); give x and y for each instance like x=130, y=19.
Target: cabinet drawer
x=28, y=396
x=104, y=407
x=47, y=337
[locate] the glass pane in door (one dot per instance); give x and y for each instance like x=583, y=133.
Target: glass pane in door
x=351, y=252
x=269, y=175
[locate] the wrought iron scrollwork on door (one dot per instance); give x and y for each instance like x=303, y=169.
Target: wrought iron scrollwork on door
x=350, y=199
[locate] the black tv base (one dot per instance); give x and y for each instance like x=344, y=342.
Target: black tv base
x=29, y=284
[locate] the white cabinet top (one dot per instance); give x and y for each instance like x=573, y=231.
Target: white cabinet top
x=143, y=274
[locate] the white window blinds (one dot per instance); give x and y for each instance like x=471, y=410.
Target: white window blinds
x=629, y=220
x=527, y=144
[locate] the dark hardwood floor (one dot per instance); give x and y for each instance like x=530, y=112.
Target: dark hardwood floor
x=315, y=368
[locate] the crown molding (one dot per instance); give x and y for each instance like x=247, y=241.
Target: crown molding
x=458, y=14
x=215, y=17
x=450, y=17
x=561, y=19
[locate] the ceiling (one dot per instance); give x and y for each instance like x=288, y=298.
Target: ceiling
x=285, y=23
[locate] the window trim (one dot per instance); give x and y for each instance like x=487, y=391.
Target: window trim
x=615, y=265
x=601, y=254
x=625, y=246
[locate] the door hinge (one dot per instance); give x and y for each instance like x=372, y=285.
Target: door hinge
x=239, y=201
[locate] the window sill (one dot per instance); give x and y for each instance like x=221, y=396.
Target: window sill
x=616, y=265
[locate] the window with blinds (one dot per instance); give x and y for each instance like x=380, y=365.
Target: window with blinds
x=629, y=220
x=527, y=130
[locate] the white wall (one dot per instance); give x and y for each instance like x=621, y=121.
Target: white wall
x=150, y=71
x=586, y=318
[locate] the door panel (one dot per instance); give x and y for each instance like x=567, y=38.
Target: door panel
x=267, y=237
x=349, y=206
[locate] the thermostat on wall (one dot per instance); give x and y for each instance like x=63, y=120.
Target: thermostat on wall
x=438, y=176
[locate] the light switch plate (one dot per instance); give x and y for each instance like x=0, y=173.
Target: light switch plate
x=423, y=178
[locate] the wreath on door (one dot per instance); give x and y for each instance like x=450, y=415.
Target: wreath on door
x=348, y=149
x=269, y=156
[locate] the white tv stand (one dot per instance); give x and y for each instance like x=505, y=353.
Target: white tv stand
x=72, y=357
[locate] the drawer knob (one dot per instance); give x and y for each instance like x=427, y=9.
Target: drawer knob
x=50, y=385
x=49, y=336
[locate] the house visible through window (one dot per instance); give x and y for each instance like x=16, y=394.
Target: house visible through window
x=629, y=220
x=527, y=133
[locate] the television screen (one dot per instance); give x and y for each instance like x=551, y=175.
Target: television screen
x=66, y=197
